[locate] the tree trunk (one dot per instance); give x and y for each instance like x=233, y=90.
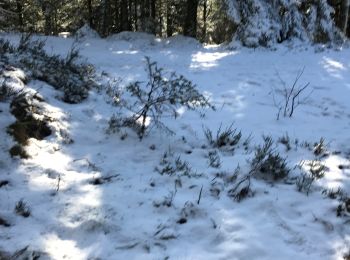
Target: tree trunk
x=153, y=9
x=124, y=15
x=135, y=15
x=20, y=14
x=204, y=17
x=106, y=18
x=345, y=15
x=46, y=8
x=89, y=6
x=169, y=19
x=153, y=16
x=190, y=28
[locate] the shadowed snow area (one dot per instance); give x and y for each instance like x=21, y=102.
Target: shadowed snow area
x=94, y=195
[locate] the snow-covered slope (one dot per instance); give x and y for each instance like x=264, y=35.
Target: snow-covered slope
x=100, y=197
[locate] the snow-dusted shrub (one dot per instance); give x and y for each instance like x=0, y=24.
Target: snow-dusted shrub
x=214, y=159
x=228, y=137
x=22, y=209
x=289, y=98
x=159, y=97
x=320, y=147
x=66, y=74
x=343, y=208
x=166, y=201
x=316, y=171
x=268, y=162
x=242, y=189
x=11, y=84
x=285, y=140
x=171, y=165
x=5, y=47
x=335, y=193
x=265, y=23
x=7, y=92
x=118, y=121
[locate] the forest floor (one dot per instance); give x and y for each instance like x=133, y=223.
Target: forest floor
x=98, y=195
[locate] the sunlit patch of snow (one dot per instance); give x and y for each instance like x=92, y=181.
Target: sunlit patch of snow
x=125, y=52
x=47, y=160
x=59, y=248
x=333, y=67
x=181, y=111
x=207, y=60
x=336, y=65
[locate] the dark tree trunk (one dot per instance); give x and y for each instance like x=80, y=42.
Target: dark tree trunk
x=89, y=7
x=135, y=15
x=20, y=14
x=117, y=21
x=124, y=15
x=130, y=10
x=345, y=15
x=204, y=31
x=169, y=19
x=46, y=8
x=153, y=9
x=190, y=27
x=106, y=18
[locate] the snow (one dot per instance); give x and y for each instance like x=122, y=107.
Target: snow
x=265, y=23
x=86, y=32
x=128, y=216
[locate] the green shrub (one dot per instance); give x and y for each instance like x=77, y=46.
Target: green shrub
x=66, y=74
x=268, y=162
x=316, y=171
x=228, y=137
x=160, y=96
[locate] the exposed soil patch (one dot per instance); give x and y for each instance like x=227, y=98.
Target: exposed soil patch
x=28, y=124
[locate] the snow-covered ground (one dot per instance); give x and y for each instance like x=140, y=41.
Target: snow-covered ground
x=136, y=213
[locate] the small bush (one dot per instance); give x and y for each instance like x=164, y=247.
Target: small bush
x=268, y=162
x=65, y=74
x=214, y=159
x=7, y=92
x=290, y=97
x=316, y=171
x=12, y=82
x=160, y=97
x=242, y=189
x=285, y=140
x=171, y=165
x=335, y=193
x=22, y=209
x=113, y=91
x=344, y=207
x=224, y=137
x=117, y=121
x=320, y=147
x=167, y=201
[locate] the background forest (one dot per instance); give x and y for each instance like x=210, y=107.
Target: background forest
x=252, y=22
